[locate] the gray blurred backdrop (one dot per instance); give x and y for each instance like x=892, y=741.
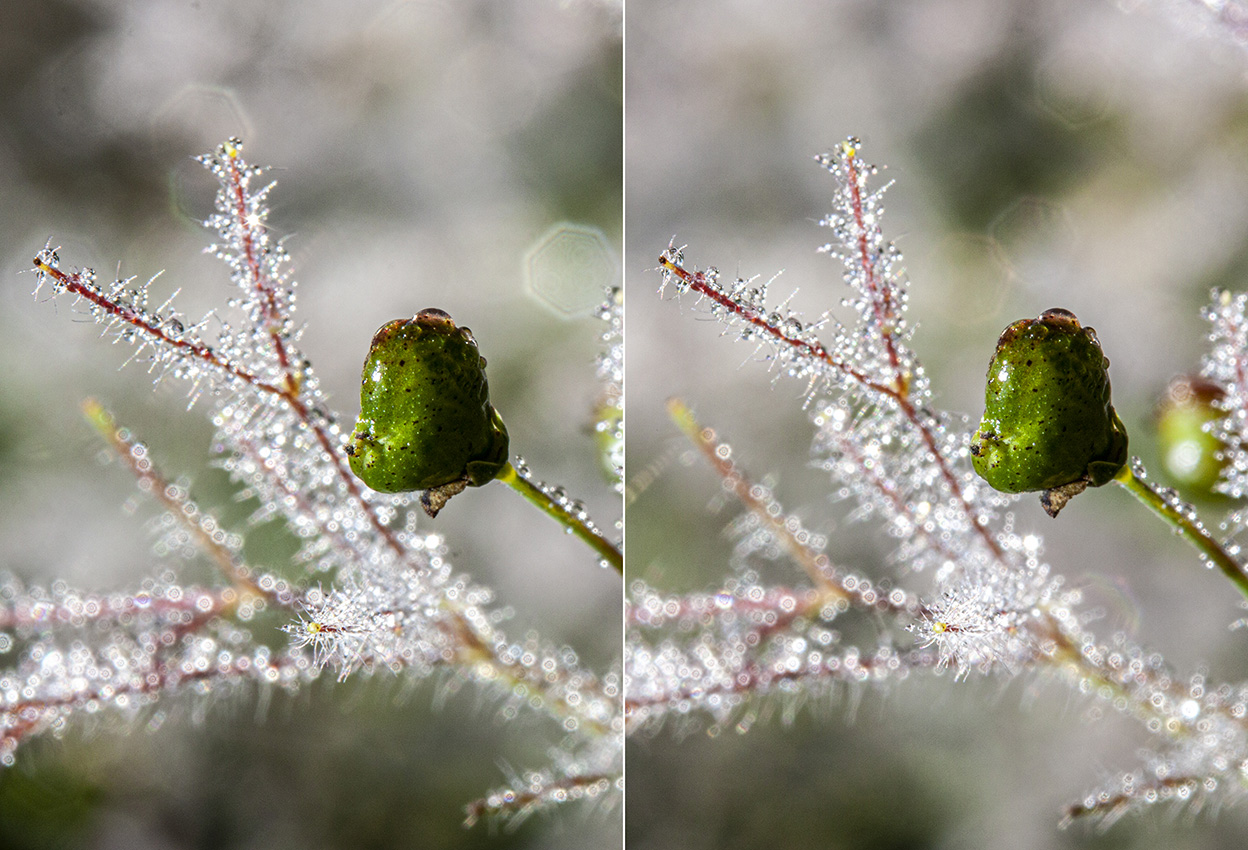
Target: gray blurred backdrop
x=422, y=150
x=1072, y=153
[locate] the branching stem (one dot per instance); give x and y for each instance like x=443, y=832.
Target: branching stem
x=241, y=576
x=898, y=392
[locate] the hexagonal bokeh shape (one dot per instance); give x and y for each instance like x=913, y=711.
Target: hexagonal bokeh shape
x=569, y=268
x=1031, y=221
x=206, y=113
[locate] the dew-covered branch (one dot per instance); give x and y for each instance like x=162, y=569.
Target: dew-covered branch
x=375, y=592
x=996, y=606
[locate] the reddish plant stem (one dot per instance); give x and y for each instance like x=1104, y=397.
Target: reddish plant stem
x=696, y=282
x=151, y=480
x=275, y=321
x=881, y=298
x=471, y=644
x=99, y=609
x=889, y=492
x=816, y=564
x=344, y=474
x=255, y=270
x=754, y=678
x=1115, y=803
x=284, y=484
x=780, y=601
x=289, y=394
x=29, y=716
x=518, y=801
x=473, y=648
x=74, y=284
x=1061, y=649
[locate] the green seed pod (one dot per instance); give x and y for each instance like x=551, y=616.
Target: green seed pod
x=426, y=422
x=1190, y=454
x=1049, y=424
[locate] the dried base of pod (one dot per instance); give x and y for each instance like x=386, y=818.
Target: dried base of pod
x=1054, y=499
x=435, y=498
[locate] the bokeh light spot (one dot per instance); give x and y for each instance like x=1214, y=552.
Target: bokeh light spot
x=569, y=268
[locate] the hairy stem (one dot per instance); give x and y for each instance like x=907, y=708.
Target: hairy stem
x=574, y=524
x=897, y=392
x=881, y=294
x=832, y=583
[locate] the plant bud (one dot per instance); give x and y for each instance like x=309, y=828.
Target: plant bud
x=1190, y=454
x=1049, y=424
x=426, y=422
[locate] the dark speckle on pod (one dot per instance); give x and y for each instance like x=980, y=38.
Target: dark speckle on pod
x=426, y=422
x=1049, y=423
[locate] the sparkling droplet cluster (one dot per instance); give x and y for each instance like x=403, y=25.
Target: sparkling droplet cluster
x=558, y=496
x=1227, y=366
x=83, y=653
x=392, y=601
x=609, y=419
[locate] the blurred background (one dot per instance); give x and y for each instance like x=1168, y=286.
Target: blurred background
x=450, y=154
x=1072, y=153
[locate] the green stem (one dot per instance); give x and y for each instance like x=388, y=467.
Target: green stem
x=560, y=514
x=1190, y=530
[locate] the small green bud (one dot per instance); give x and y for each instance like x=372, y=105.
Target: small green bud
x=426, y=422
x=1049, y=424
x=1190, y=454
